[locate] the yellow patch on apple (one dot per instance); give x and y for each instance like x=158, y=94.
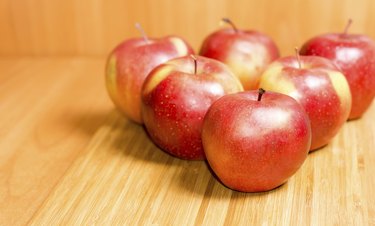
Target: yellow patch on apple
x=180, y=46
x=341, y=86
x=157, y=77
x=273, y=79
x=247, y=72
x=111, y=74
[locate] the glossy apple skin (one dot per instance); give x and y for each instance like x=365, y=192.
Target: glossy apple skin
x=355, y=56
x=255, y=146
x=175, y=101
x=129, y=64
x=246, y=53
x=319, y=86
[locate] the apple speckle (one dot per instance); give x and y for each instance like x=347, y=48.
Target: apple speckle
x=178, y=102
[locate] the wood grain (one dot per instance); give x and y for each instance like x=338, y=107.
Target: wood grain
x=49, y=110
x=123, y=179
x=94, y=27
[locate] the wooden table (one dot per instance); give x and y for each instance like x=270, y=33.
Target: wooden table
x=68, y=158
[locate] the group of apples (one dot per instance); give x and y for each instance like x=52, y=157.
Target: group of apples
x=195, y=107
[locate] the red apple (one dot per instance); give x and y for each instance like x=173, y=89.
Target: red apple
x=355, y=55
x=175, y=98
x=246, y=52
x=319, y=86
x=129, y=64
x=255, y=143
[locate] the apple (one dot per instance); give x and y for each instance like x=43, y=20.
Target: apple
x=129, y=64
x=246, y=52
x=319, y=86
x=254, y=141
x=175, y=98
x=354, y=54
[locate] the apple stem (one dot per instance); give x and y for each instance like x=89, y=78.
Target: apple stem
x=195, y=63
x=228, y=21
x=260, y=93
x=350, y=21
x=142, y=32
x=298, y=57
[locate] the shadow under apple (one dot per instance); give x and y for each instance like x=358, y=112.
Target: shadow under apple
x=132, y=141
x=200, y=179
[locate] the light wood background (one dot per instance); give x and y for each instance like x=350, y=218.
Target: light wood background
x=94, y=27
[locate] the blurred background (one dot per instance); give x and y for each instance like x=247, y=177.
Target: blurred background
x=94, y=27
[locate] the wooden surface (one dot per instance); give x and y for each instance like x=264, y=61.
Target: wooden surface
x=94, y=27
x=68, y=158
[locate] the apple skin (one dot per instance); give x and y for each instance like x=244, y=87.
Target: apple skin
x=255, y=146
x=129, y=64
x=319, y=86
x=246, y=53
x=175, y=100
x=355, y=55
